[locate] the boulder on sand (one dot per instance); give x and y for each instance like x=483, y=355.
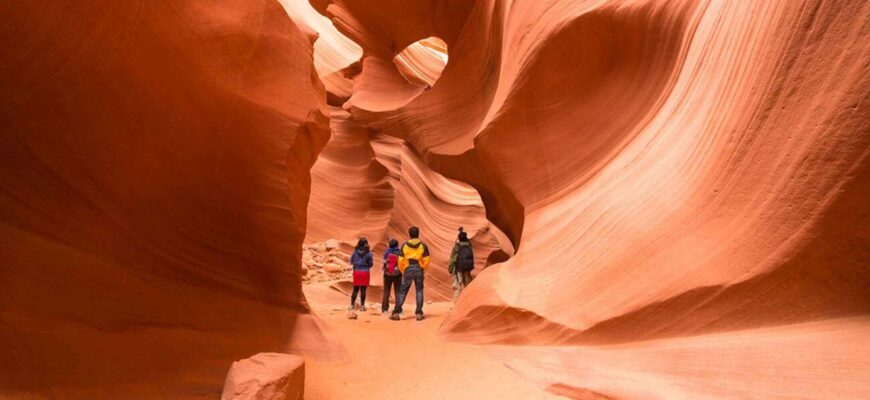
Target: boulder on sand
x=266, y=376
x=332, y=244
x=332, y=268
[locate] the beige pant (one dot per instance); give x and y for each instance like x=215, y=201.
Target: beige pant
x=460, y=281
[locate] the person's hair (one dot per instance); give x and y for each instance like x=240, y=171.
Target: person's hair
x=414, y=232
x=394, y=243
x=363, y=243
x=463, y=237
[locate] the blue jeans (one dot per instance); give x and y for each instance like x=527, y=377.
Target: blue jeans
x=413, y=274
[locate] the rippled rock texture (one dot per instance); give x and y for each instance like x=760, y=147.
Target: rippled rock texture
x=665, y=170
x=154, y=179
x=681, y=186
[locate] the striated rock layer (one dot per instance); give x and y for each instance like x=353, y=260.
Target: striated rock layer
x=369, y=183
x=375, y=185
x=665, y=170
x=351, y=194
x=334, y=53
x=154, y=180
x=438, y=206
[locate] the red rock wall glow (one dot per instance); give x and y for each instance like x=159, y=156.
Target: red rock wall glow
x=154, y=181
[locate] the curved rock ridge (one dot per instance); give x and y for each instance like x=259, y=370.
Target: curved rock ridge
x=334, y=53
x=370, y=184
x=375, y=185
x=665, y=169
x=438, y=206
x=351, y=193
x=720, y=210
x=154, y=182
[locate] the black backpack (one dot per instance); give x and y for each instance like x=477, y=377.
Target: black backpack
x=464, y=258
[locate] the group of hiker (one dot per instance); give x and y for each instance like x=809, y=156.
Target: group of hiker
x=404, y=266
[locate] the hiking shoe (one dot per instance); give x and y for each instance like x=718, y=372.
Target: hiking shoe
x=362, y=308
x=395, y=317
x=351, y=308
x=420, y=317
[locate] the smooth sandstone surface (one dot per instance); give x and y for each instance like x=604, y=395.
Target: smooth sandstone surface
x=678, y=190
x=665, y=170
x=154, y=180
x=369, y=183
x=374, y=185
x=334, y=53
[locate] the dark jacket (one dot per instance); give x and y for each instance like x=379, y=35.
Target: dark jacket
x=454, y=257
x=361, y=259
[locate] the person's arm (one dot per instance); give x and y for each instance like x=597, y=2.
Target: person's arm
x=370, y=261
x=424, y=263
x=403, y=262
x=452, y=265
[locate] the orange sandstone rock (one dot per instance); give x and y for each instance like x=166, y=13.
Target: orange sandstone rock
x=663, y=169
x=154, y=172
x=266, y=376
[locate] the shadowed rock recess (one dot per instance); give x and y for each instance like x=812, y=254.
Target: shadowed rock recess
x=671, y=196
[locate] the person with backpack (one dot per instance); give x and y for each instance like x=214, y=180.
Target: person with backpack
x=361, y=261
x=392, y=276
x=413, y=262
x=461, y=264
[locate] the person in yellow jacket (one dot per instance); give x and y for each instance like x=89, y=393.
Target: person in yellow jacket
x=413, y=262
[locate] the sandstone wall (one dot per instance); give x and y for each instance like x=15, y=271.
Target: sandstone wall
x=154, y=180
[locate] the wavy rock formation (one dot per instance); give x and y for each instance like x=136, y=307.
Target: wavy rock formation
x=367, y=183
x=334, y=53
x=351, y=194
x=665, y=170
x=154, y=183
x=423, y=61
x=438, y=206
x=374, y=185
x=681, y=187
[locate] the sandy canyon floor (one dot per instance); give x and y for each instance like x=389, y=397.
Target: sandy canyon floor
x=384, y=359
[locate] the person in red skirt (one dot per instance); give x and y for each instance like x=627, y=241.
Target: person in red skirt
x=361, y=261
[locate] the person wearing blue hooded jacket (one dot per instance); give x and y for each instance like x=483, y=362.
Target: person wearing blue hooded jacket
x=361, y=260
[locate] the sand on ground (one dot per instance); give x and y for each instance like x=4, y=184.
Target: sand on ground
x=385, y=359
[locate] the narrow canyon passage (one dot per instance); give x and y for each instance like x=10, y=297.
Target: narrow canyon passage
x=666, y=199
x=656, y=251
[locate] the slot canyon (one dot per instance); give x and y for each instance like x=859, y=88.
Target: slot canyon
x=666, y=199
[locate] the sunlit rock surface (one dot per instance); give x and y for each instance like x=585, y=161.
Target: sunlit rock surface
x=682, y=186
x=666, y=170
x=334, y=53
